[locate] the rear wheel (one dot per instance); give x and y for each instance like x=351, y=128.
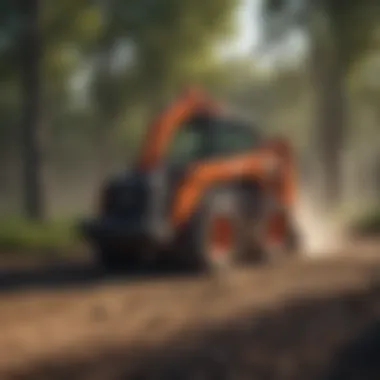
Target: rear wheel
x=221, y=239
x=213, y=238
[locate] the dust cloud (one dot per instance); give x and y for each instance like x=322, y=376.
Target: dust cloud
x=322, y=234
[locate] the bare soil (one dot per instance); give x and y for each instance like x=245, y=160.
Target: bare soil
x=297, y=320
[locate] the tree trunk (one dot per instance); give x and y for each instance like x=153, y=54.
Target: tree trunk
x=33, y=126
x=105, y=98
x=328, y=81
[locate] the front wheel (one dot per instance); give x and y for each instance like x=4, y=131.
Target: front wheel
x=213, y=239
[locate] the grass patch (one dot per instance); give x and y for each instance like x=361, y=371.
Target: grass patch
x=26, y=237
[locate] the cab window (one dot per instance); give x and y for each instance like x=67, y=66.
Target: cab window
x=230, y=138
x=187, y=144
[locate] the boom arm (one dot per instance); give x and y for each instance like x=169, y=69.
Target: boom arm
x=162, y=129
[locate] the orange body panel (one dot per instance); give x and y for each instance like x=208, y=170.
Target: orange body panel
x=205, y=175
x=251, y=166
x=168, y=121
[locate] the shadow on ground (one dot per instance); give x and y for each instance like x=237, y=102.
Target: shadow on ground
x=335, y=338
x=74, y=274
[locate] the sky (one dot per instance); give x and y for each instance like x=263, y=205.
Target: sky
x=248, y=31
x=248, y=38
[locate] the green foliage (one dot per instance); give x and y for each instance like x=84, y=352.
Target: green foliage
x=70, y=30
x=173, y=41
x=18, y=235
x=353, y=25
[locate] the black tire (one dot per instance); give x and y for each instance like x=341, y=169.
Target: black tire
x=193, y=248
x=108, y=259
x=114, y=260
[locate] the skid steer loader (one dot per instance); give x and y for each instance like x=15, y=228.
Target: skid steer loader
x=206, y=190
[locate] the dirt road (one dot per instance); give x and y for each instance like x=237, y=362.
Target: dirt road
x=293, y=321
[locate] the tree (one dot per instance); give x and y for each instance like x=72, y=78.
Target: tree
x=340, y=32
x=41, y=46
x=33, y=123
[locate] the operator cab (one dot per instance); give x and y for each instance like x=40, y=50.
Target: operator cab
x=205, y=137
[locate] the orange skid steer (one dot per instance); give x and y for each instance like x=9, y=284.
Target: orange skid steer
x=206, y=190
